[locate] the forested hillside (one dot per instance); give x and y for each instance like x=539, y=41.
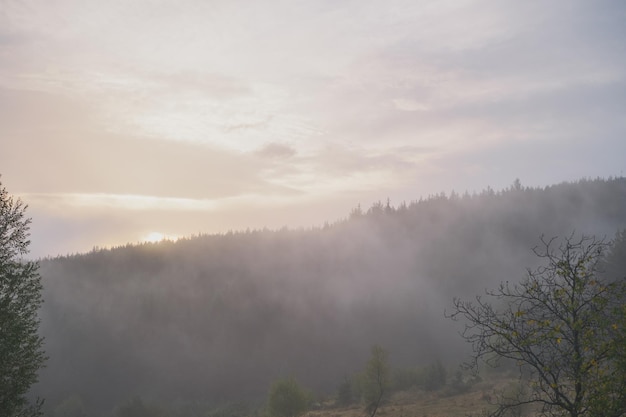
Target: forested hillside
x=218, y=317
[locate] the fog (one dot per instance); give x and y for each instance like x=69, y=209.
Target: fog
x=217, y=318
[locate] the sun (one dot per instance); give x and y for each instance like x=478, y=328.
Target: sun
x=154, y=237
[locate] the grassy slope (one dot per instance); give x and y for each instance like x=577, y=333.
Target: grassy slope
x=419, y=403
x=409, y=404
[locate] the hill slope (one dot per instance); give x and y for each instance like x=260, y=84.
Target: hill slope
x=218, y=317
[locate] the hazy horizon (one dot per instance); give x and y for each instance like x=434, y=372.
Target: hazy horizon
x=122, y=122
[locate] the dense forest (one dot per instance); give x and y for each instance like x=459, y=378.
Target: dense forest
x=217, y=318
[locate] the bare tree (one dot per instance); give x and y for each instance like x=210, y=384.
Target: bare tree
x=563, y=325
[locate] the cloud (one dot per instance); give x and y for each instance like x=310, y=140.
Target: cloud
x=66, y=152
x=100, y=201
x=261, y=124
x=276, y=151
x=301, y=103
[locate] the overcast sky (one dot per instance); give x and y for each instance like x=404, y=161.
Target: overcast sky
x=120, y=119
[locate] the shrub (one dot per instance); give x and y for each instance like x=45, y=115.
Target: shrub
x=287, y=399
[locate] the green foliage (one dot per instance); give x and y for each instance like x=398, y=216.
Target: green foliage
x=344, y=393
x=564, y=326
x=21, y=353
x=406, y=378
x=287, y=399
x=429, y=378
x=435, y=376
x=376, y=380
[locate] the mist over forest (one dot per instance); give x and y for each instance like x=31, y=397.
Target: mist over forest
x=217, y=318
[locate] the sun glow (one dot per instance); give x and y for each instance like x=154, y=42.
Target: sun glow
x=155, y=237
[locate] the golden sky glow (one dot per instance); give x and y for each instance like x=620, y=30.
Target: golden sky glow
x=118, y=118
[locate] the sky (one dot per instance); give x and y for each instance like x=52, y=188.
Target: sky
x=124, y=121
